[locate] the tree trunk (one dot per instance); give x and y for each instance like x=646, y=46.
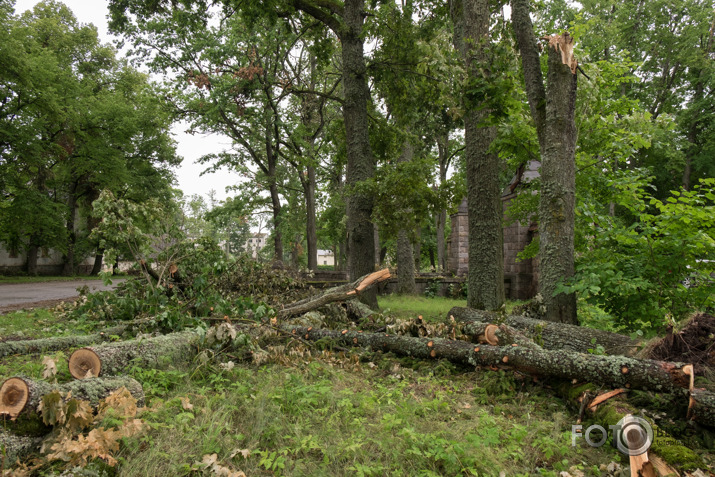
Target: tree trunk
x=45, y=345
x=311, y=228
x=376, y=234
x=31, y=264
x=558, y=192
x=417, y=249
x=443, y=155
x=609, y=412
x=405, y=264
x=30, y=392
x=277, y=234
x=405, y=251
x=553, y=110
x=114, y=358
x=611, y=371
x=486, y=262
x=360, y=161
x=68, y=268
x=97, y=267
x=702, y=407
x=17, y=447
x=551, y=335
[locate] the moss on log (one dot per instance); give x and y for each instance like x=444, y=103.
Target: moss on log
x=17, y=447
x=92, y=390
x=45, y=345
x=702, y=407
x=152, y=352
x=610, y=413
x=612, y=371
x=550, y=335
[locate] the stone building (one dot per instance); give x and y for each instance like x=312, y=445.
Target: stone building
x=520, y=278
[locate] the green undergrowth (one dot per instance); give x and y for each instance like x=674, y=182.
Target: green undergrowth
x=340, y=416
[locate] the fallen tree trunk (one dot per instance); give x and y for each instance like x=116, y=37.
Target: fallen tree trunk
x=548, y=334
x=702, y=407
x=20, y=398
x=113, y=358
x=612, y=371
x=340, y=293
x=608, y=409
x=15, y=448
x=45, y=345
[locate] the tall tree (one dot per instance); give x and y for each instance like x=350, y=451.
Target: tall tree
x=486, y=264
x=553, y=111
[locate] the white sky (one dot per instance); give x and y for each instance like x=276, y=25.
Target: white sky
x=189, y=147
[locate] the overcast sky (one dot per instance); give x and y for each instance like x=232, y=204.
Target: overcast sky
x=189, y=147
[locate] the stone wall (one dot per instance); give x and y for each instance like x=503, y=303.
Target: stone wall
x=520, y=275
x=458, y=242
x=49, y=262
x=520, y=278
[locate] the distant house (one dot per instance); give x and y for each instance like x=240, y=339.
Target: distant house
x=325, y=257
x=255, y=244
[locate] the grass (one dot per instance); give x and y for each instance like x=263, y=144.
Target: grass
x=432, y=309
x=40, y=279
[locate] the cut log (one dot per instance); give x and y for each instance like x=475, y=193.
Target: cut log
x=550, y=335
x=20, y=395
x=340, y=293
x=497, y=335
x=702, y=407
x=665, y=453
x=16, y=448
x=54, y=344
x=612, y=371
x=113, y=358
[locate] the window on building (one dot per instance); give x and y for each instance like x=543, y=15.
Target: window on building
x=325, y=262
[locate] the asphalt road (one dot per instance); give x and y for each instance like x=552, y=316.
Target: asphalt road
x=18, y=295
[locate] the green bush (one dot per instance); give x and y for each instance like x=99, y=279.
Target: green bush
x=652, y=262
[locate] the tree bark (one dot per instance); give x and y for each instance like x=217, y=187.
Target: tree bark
x=17, y=447
x=341, y=293
x=32, y=252
x=97, y=267
x=443, y=156
x=68, y=268
x=551, y=335
x=486, y=262
x=92, y=390
x=114, y=358
x=311, y=228
x=405, y=252
x=54, y=344
x=553, y=110
x=702, y=407
x=360, y=161
x=405, y=264
x=612, y=371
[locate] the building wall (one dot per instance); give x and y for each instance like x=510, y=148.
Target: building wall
x=521, y=278
x=325, y=257
x=255, y=244
x=49, y=262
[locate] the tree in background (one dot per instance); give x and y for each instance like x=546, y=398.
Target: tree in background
x=77, y=121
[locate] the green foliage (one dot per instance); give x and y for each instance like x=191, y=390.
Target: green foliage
x=654, y=263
